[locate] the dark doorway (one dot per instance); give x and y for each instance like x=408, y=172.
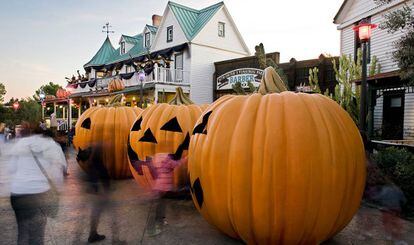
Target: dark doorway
x=393, y=117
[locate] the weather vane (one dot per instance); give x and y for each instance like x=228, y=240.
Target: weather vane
x=106, y=29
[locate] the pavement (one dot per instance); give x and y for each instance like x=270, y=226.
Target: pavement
x=124, y=221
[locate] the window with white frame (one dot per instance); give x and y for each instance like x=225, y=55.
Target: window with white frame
x=123, y=47
x=221, y=29
x=147, y=39
x=170, y=33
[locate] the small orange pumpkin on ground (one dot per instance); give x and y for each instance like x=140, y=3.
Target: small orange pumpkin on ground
x=108, y=127
x=162, y=128
x=277, y=168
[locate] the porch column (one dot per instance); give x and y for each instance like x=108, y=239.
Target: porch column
x=155, y=72
x=54, y=108
x=69, y=114
x=64, y=112
x=43, y=111
x=155, y=96
x=80, y=109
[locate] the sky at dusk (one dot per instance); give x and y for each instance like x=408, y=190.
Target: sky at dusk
x=46, y=40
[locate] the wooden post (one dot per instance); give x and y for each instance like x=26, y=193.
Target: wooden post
x=69, y=114
x=80, y=109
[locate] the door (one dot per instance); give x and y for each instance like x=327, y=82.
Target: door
x=393, y=115
x=179, y=63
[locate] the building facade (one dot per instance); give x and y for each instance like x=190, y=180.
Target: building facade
x=179, y=48
x=392, y=103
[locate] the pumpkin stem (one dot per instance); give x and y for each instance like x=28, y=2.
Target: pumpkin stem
x=180, y=98
x=116, y=100
x=271, y=82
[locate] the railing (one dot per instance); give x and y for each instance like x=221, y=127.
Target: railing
x=159, y=75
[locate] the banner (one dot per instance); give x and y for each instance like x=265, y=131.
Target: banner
x=243, y=76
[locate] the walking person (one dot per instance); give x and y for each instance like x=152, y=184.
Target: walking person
x=164, y=165
x=35, y=167
x=98, y=181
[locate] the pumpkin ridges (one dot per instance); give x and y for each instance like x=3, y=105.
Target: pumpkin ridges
x=205, y=150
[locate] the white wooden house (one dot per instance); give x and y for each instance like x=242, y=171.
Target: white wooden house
x=393, y=116
x=185, y=42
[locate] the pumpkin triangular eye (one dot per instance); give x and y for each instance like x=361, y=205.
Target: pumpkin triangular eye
x=201, y=128
x=137, y=125
x=172, y=125
x=86, y=123
x=148, y=137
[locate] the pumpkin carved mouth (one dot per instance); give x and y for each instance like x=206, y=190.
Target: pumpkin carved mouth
x=197, y=190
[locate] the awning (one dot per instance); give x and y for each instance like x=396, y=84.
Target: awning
x=127, y=76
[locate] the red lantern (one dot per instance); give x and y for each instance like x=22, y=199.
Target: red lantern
x=364, y=31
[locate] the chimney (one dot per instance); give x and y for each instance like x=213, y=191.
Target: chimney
x=156, y=20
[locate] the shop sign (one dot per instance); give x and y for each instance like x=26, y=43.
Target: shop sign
x=243, y=76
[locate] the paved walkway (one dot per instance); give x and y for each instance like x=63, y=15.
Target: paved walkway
x=124, y=221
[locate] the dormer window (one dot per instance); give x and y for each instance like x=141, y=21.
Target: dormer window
x=123, y=47
x=169, y=34
x=147, y=40
x=221, y=29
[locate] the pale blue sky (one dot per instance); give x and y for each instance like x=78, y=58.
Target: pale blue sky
x=45, y=40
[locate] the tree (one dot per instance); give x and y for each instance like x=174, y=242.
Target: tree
x=402, y=20
x=48, y=89
x=2, y=92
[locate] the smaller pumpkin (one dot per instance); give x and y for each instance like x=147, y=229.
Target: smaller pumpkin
x=62, y=93
x=162, y=128
x=105, y=130
x=116, y=85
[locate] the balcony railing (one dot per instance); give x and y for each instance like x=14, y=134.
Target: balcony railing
x=160, y=75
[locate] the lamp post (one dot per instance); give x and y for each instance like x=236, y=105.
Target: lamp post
x=141, y=77
x=42, y=96
x=364, y=31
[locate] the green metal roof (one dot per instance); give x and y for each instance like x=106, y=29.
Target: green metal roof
x=152, y=29
x=192, y=20
x=129, y=39
x=137, y=50
x=102, y=56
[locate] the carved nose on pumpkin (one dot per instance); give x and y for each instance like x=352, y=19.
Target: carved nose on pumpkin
x=148, y=137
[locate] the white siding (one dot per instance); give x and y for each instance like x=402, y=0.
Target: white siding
x=202, y=71
x=347, y=41
x=382, y=42
x=409, y=116
x=209, y=34
x=378, y=115
x=179, y=37
x=358, y=8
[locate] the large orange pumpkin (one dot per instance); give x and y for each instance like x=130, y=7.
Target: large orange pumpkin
x=108, y=127
x=279, y=168
x=116, y=85
x=162, y=128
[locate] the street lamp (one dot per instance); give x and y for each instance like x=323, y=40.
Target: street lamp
x=42, y=97
x=141, y=78
x=364, y=31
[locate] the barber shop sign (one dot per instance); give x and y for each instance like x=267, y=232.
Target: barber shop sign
x=243, y=76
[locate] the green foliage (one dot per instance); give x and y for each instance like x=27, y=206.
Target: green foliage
x=314, y=80
x=2, y=92
x=402, y=20
x=398, y=164
x=239, y=90
x=29, y=111
x=266, y=62
x=48, y=89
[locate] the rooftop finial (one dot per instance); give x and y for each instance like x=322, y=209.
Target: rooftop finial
x=106, y=29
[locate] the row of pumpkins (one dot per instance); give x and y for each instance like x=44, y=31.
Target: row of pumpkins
x=274, y=167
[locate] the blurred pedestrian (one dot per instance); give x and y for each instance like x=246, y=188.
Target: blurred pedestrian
x=99, y=185
x=164, y=165
x=35, y=168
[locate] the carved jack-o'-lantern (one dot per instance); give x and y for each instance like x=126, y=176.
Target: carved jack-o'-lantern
x=162, y=128
x=109, y=128
x=278, y=168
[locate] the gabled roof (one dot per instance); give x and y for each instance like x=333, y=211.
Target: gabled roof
x=103, y=54
x=346, y=3
x=129, y=39
x=152, y=29
x=137, y=50
x=192, y=20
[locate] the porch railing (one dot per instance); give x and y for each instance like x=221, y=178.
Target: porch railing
x=158, y=75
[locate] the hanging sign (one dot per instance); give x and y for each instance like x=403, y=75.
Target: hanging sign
x=243, y=76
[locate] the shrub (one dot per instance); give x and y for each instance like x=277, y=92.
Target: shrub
x=390, y=157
